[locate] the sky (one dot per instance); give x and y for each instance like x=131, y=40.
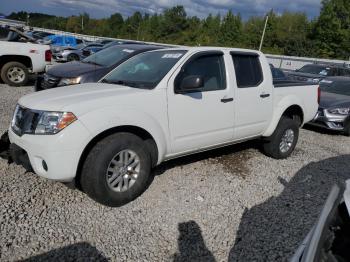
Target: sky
x=200, y=8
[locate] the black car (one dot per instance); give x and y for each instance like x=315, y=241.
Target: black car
x=316, y=72
x=92, y=68
x=334, y=109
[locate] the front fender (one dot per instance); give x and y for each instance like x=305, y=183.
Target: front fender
x=104, y=119
x=279, y=109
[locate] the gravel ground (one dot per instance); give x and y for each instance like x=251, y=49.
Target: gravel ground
x=232, y=204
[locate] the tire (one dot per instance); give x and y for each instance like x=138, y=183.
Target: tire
x=287, y=132
x=73, y=57
x=14, y=74
x=347, y=130
x=94, y=174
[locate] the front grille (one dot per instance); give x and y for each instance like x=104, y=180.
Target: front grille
x=24, y=120
x=49, y=81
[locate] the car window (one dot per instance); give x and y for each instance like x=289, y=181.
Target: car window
x=110, y=56
x=144, y=70
x=248, y=70
x=315, y=69
x=277, y=73
x=210, y=67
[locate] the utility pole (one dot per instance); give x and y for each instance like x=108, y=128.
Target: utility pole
x=263, y=34
x=82, y=23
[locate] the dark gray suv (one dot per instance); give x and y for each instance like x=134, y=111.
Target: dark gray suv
x=92, y=68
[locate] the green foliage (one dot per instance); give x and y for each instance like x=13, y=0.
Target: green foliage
x=289, y=33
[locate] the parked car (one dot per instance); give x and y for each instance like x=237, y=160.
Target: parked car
x=59, y=41
x=91, y=69
x=329, y=239
x=334, y=109
x=19, y=59
x=156, y=106
x=76, y=54
x=316, y=72
x=277, y=74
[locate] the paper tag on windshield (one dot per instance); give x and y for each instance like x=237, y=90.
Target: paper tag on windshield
x=128, y=50
x=173, y=55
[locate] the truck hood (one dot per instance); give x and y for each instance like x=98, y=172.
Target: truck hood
x=329, y=100
x=80, y=99
x=72, y=69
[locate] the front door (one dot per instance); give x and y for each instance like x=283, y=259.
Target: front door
x=202, y=118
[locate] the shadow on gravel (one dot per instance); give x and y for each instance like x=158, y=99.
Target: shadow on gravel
x=77, y=252
x=191, y=244
x=4, y=146
x=232, y=158
x=273, y=230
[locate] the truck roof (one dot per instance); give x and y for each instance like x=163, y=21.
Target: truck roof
x=208, y=48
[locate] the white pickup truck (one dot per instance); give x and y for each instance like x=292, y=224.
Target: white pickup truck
x=19, y=59
x=156, y=106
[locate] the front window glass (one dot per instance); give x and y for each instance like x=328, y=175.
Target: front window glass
x=145, y=70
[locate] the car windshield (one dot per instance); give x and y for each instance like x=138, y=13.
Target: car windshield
x=145, y=70
x=341, y=88
x=109, y=56
x=315, y=69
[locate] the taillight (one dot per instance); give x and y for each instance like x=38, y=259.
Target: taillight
x=318, y=95
x=48, y=55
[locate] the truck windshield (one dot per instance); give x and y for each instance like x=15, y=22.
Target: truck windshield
x=145, y=70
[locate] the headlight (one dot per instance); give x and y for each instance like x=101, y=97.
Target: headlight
x=28, y=121
x=69, y=81
x=53, y=122
x=339, y=111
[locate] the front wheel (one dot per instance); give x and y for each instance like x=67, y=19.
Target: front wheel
x=282, y=142
x=117, y=170
x=347, y=129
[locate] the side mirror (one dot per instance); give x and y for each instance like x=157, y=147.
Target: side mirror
x=190, y=84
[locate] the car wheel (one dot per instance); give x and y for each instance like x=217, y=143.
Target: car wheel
x=117, y=170
x=347, y=130
x=73, y=57
x=14, y=74
x=282, y=142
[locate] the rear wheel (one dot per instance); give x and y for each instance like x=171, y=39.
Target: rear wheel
x=73, y=57
x=282, y=142
x=14, y=74
x=117, y=170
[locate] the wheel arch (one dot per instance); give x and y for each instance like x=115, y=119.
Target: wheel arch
x=293, y=111
x=25, y=60
x=138, y=131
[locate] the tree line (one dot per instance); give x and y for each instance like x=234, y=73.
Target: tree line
x=289, y=33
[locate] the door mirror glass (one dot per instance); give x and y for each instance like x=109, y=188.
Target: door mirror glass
x=191, y=84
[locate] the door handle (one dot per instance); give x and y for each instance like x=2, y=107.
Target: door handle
x=264, y=95
x=226, y=100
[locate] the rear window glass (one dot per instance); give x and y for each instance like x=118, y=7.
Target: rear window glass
x=248, y=70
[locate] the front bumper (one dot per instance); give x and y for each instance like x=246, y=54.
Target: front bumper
x=54, y=157
x=329, y=121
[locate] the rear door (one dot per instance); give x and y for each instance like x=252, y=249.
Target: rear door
x=253, y=104
x=203, y=118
